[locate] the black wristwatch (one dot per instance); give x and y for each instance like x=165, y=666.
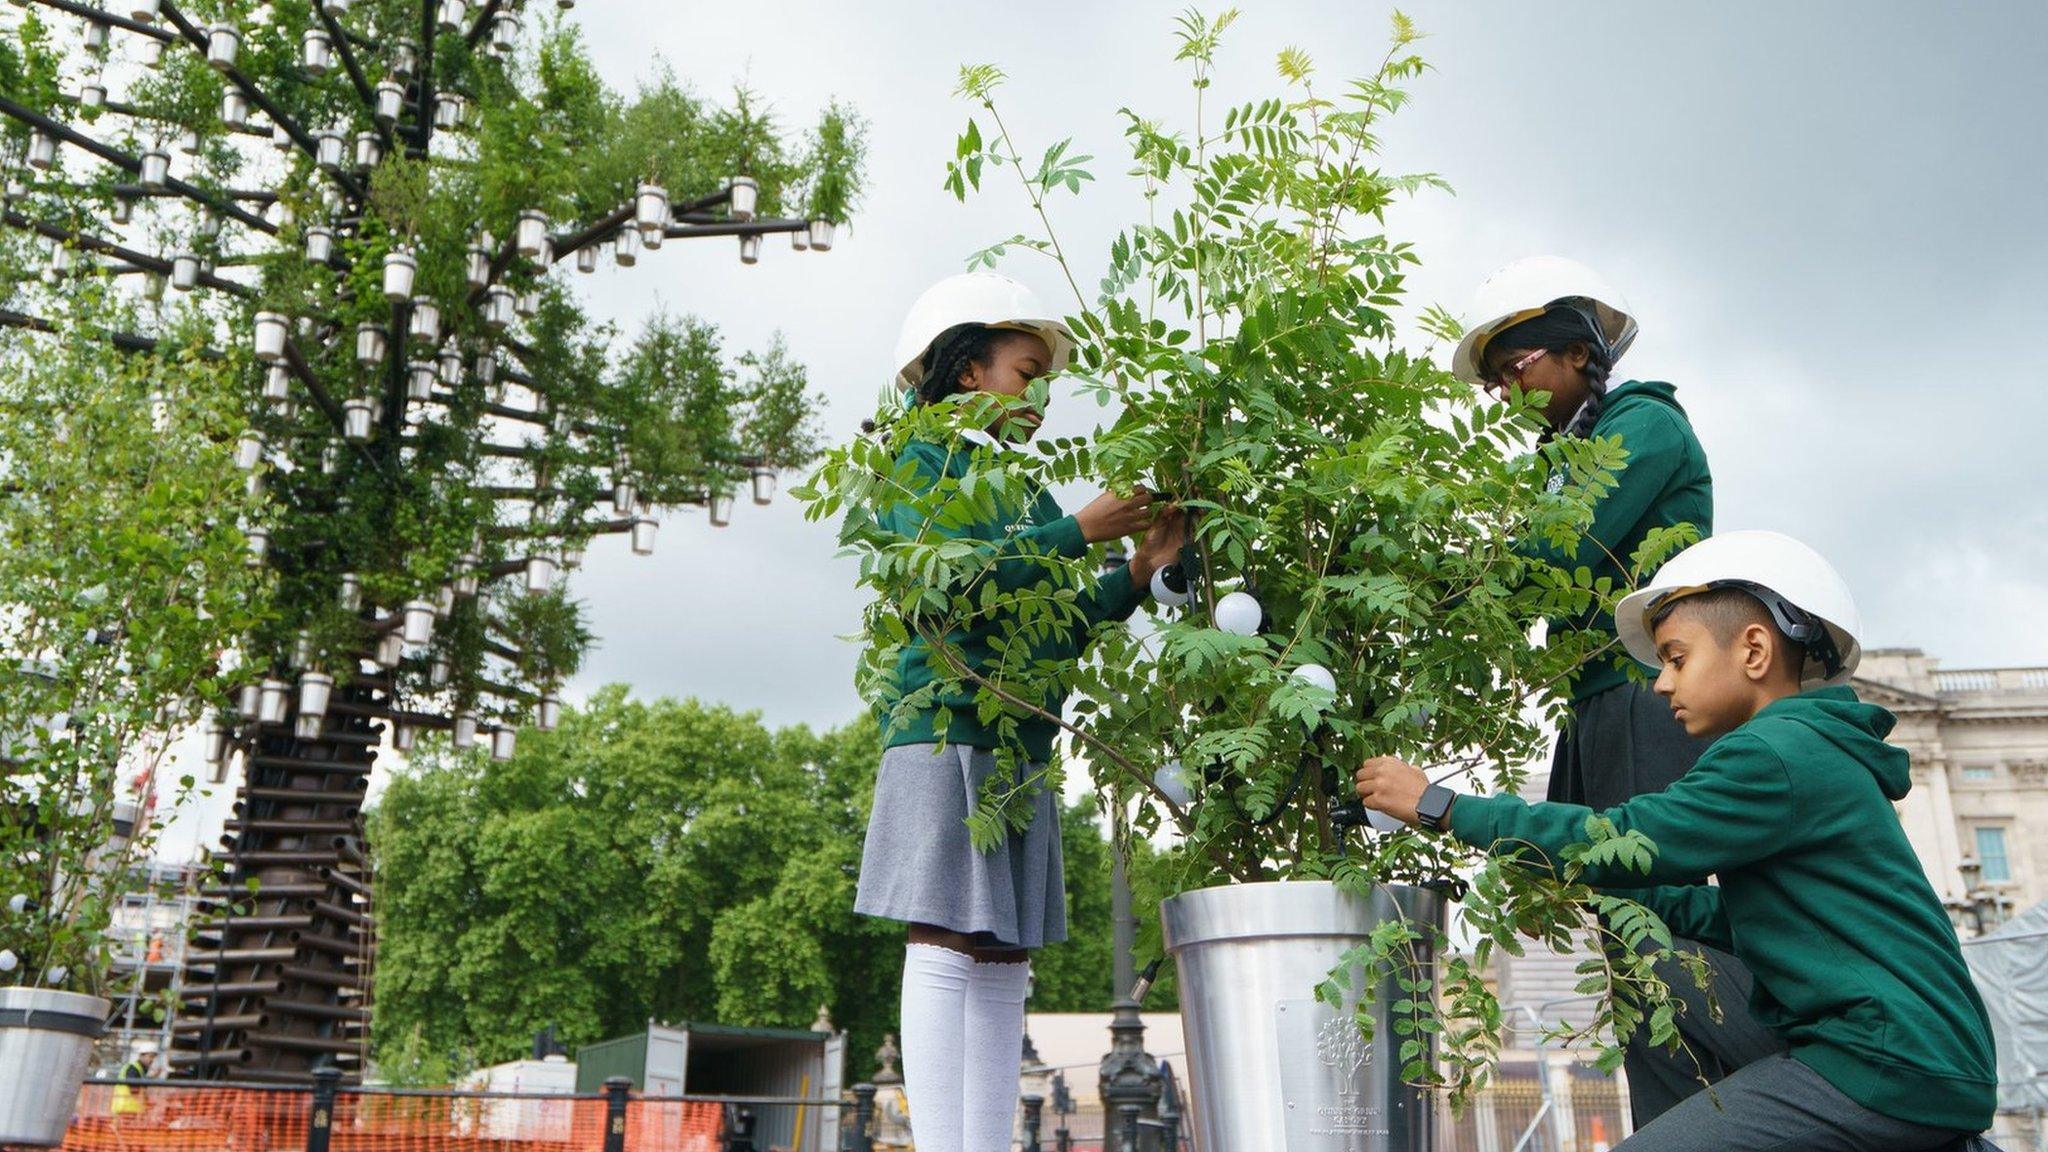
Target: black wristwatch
x=1434, y=806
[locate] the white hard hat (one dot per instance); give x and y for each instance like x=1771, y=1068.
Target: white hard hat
x=1781, y=572
x=146, y=1048
x=976, y=298
x=1528, y=288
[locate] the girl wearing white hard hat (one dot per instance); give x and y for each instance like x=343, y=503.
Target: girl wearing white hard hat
x=974, y=916
x=1551, y=326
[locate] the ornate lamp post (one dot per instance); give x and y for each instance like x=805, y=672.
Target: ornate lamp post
x=1129, y=1075
x=1982, y=907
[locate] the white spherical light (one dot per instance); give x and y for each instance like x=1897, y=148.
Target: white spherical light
x=1172, y=781
x=1382, y=822
x=1317, y=675
x=1239, y=614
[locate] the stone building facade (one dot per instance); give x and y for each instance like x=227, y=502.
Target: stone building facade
x=1978, y=811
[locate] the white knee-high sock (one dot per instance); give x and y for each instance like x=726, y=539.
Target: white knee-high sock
x=935, y=985
x=994, y=1039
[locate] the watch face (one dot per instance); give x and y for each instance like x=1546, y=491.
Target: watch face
x=1436, y=800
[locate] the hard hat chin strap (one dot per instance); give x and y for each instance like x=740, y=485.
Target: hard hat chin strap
x=1801, y=627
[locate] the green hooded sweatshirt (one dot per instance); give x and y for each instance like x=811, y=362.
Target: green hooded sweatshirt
x=1857, y=968
x=1021, y=544
x=1664, y=483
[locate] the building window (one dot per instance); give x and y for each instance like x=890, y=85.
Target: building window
x=1991, y=857
x=1980, y=772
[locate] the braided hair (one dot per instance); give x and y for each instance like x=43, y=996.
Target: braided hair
x=1559, y=328
x=948, y=358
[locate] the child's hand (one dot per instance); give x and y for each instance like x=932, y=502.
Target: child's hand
x=1162, y=542
x=1392, y=785
x=1113, y=517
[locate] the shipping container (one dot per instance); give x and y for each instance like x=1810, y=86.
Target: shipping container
x=720, y=1060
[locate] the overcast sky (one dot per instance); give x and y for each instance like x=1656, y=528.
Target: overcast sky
x=1826, y=217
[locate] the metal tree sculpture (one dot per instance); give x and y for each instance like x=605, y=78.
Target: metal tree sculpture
x=373, y=199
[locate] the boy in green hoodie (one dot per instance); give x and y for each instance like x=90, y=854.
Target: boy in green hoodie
x=1856, y=966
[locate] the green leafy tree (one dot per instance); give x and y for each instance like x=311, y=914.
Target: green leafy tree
x=1354, y=506
x=668, y=860
x=366, y=212
x=122, y=576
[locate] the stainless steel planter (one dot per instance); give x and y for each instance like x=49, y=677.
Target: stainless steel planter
x=46, y=1042
x=1270, y=1067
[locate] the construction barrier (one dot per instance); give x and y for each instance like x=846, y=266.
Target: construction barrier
x=174, y=1117
x=1515, y=1111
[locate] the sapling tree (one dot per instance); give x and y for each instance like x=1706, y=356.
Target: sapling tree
x=1353, y=584
x=122, y=574
x=365, y=213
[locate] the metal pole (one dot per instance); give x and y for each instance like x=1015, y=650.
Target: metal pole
x=1062, y=1106
x=615, y=1113
x=320, y=1126
x=862, y=1135
x=1124, y=930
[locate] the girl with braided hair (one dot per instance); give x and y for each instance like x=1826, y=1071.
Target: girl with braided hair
x=975, y=916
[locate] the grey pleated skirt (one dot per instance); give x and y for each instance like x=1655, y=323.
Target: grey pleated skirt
x=920, y=866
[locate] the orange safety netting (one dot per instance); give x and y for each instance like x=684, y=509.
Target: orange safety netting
x=198, y=1118
x=147, y=1118
x=672, y=1126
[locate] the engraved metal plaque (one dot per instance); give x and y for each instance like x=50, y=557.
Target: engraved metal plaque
x=1333, y=1093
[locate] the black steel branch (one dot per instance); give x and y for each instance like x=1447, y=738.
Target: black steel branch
x=604, y=227
x=503, y=652
x=138, y=259
x=425, y=106
x=542, y=531
x=522, y=415
x=398, y=337
x=129, y=163
x=304, y=141
x=142, y=193
x=340, y=38
x=516, y=492
x=304, y=372
x=126, y=341
x=483, y=23
x=134, y=113
x=100, y=16
x=691, y=227
x=138, y=192
x=595, y=232
x=506, y=691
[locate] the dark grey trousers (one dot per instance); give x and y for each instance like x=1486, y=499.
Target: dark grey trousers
x=1620, y=744
x=1778, y=1104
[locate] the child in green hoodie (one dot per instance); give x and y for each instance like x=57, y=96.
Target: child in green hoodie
x=1551, y=327
x=1790, y=811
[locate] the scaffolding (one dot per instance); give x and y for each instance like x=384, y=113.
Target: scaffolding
x=150, y=928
